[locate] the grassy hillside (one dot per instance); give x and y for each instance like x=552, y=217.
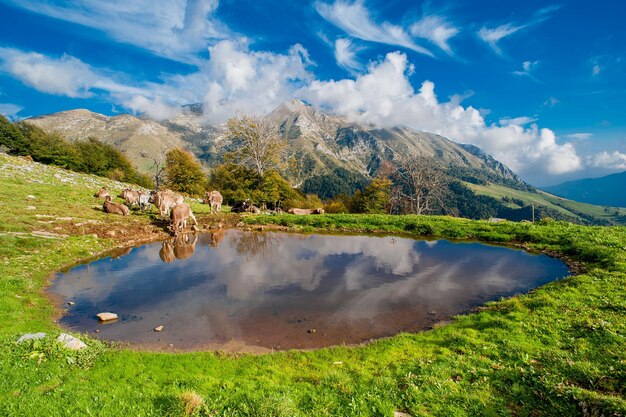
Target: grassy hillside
x=558, y=351
x=582, y=211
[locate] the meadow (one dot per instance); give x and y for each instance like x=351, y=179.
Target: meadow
x=557, y=351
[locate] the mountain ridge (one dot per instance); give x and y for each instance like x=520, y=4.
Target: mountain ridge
x=609, y=190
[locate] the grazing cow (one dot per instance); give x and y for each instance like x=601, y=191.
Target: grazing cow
x=179, y=215
x=303, y=212
x=114, y=208
x=214, y=199
x=165, y=200
x=102, y=193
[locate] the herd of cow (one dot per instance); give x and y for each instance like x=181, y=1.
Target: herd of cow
x=173, y=205
x=167, y=202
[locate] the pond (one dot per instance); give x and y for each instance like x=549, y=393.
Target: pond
x=246, y=291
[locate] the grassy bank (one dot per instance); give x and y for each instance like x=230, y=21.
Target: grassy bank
x=558, y=351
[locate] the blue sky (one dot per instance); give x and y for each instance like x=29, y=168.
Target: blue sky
x=539, y=85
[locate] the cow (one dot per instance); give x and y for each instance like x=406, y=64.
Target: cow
x=144, y=200
x=303, y=212
x=114, y=208
x=179, y=215
x=130, y=196
x=216, y=238
x=102, y=193
x=241, y=207
x=214, y=199
x=165, y=200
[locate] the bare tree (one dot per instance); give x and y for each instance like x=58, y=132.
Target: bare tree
x=158, y=165
x=257, y=144
x=422, y=185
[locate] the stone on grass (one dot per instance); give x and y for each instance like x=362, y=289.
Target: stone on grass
x=70, y=342
x=31, y=336
x=107, y=316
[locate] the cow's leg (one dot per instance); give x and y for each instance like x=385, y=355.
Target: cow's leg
x=194, y=218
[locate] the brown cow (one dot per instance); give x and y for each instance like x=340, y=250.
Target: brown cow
x=302, y=212
x=214, y=199
x=130, y=196
x=102, y=193
x=114, y=208
x=179, y=215
x=165, y=200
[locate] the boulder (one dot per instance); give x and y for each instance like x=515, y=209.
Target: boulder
x=107, y=316
x=70, y=342
x=31, y=336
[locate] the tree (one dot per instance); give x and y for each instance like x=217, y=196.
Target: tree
x=184, y=173
x=256, y=144
x=374, y=199
x=158, y=165
x=422, y=186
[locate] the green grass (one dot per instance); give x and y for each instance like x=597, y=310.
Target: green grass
x=558, y=351
x=562, y=205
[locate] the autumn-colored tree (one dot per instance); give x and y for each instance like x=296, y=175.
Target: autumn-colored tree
x=374, y=199
x=256, y=144
x=184, y=173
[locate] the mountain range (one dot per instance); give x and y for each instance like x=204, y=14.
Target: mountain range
x=326, y=154
x=609, y=190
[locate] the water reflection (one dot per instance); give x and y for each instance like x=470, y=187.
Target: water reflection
x=272, y=289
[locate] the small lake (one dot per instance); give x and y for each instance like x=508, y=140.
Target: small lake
x=241, y=291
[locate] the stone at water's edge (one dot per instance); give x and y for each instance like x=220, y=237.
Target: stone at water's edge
x=70, y=342
x=31, y=336
x=106, y=316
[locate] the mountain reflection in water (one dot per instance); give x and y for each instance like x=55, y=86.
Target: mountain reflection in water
x=280, y=291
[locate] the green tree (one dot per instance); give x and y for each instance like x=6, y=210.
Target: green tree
x=184, y=173
x=374, y=199
x=11, y=137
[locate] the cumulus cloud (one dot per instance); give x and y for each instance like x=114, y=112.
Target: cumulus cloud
x=608, y=160
x=384, y=96
x=10, y=110
x=69, y=76
x=357, y=21
x=436, y=29
x=174, y=29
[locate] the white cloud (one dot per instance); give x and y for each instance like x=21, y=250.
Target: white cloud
x=68, y=76
x=608, y=160
x=527, y=68
x=579, y=136
x=355, y=19
x=64, y=76
x=384, y=96
x=551, y=102
x=492, y=36
x=10, y=110
x=521, y=121
x=436, y=29
x=175, y=29
x=345, y=55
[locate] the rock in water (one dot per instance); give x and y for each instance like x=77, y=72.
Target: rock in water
x=158, y=329
x=70, y=342
x=31, y=336
x=107, y=316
